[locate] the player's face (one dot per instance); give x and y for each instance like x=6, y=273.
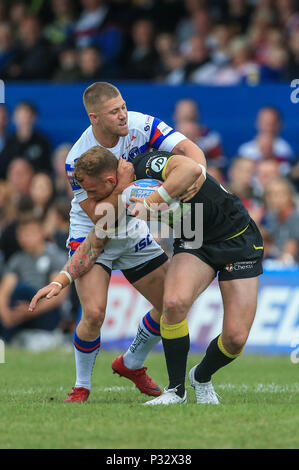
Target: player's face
x=98, y=187
x=113, y=117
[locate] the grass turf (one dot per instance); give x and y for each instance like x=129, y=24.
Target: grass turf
x=259, y=406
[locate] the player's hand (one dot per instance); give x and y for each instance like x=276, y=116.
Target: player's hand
x=125, y=174
x=193, y=189
x=49, y=291
x=138, y=210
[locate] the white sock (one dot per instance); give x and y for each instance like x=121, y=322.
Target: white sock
x=85, y=356
x=148, y=335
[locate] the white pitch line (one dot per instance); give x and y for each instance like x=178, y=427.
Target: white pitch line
x=256, y=388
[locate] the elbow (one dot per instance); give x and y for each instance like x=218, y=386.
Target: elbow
x=197, y=172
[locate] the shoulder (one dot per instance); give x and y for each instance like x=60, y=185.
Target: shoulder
x=139, y=121
x=282, y=146
x=82, y=144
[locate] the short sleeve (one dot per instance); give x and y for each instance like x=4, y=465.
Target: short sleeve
x=79, y=193
x=152, y=165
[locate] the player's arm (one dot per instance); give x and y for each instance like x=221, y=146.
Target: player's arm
x=80, y=263
x=190, y=149
x=177, y=172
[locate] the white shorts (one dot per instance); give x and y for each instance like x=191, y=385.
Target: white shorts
x=126, y=254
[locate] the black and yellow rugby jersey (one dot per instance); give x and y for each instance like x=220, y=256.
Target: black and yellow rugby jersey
x=224, y=215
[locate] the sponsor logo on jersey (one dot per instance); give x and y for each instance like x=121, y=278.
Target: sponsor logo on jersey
x=132, y=154
x=156, y=163
x=164, y=128
x=147, y=128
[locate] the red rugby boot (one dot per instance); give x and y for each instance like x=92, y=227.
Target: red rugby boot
x=78, y=395
x=139, y=376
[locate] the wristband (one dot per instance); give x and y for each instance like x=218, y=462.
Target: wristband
x=57, y=284
x=204, y=170
x=164, y=195
x=67, y=275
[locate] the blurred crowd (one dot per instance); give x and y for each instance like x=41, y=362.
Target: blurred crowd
x=35, y=198
x=220, y=42
x=170, y=41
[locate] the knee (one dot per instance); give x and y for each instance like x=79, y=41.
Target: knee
x=234, y=341
x=93, y=316
x=175, y=308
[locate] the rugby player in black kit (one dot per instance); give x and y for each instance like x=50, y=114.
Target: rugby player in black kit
x=232, y=248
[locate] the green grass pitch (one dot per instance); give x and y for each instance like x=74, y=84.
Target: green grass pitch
x=259, y=406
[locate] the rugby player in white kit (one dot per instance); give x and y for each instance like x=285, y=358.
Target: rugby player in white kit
x=141, y=259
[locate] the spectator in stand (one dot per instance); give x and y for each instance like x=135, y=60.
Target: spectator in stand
x=99, y=25
x=219, y=41
x=293, y=66
x=19, y=174
x=17, y=12
x=169, y=56
x=242, y=67
x=288, y=15
x=240, y=181
x=27, y=271
x=27, y=142
x=241, y=177
x=276, y=63
x=56, y=226
x=7, y=205
x=198, y=66
x=268, y=143
x=187, y=120
x=266, y=171
x=8, y=238
x=68, y=69
x=187, y=27
x=33, y=58
x=281, y=219
x=60, y=30
x=42, y=193
x=61, y=182
x=91, y=65
x=238, y=15
x=7, y=49
x=142, y=62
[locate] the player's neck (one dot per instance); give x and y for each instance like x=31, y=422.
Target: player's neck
x=105, y=139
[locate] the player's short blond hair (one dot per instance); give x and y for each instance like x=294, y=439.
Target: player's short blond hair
x=94, y=162
x=96, y=93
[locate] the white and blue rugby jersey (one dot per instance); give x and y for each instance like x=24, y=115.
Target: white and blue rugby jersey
x=145, y=132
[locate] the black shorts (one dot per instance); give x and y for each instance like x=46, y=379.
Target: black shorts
x=237, y=258
x=138, y=272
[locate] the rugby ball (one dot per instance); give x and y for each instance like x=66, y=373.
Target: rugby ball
x=140, y=188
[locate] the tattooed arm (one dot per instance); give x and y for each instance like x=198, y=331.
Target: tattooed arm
x=80, y=263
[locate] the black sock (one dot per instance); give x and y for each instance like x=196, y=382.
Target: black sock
x=212, y=361
x=176, y=354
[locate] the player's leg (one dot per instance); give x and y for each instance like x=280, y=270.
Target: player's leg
x=239, y=302
x=148, y=279
x=186, y=278
x=92, y=290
